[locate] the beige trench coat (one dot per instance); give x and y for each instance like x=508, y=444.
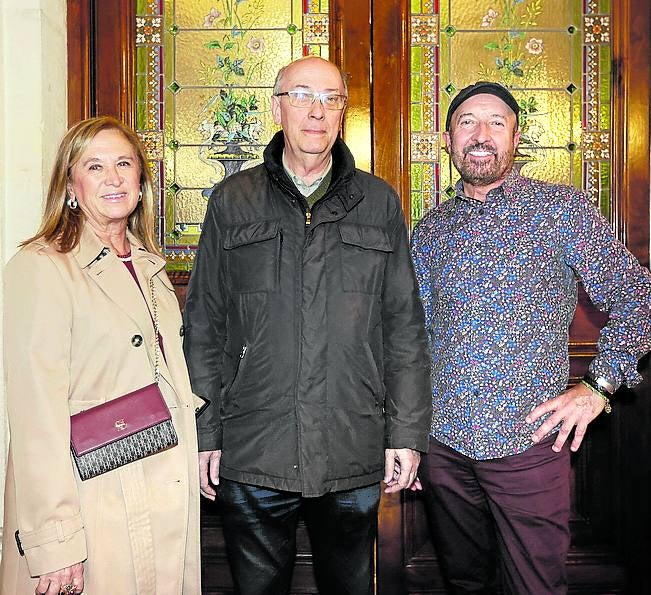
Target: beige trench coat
x=78, y=333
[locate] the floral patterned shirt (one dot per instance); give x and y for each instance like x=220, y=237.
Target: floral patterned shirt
x=498, y=281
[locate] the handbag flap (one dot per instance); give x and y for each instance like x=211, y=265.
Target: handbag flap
x=116, y=419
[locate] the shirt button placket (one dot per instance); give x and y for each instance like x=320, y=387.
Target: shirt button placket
x=477, y=258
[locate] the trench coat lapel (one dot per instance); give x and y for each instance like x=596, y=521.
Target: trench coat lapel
x=115, y=281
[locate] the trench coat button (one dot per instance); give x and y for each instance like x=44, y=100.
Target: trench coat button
x=182, y=330
x=136, y=340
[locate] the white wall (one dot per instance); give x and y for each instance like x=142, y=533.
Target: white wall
x=33, y=118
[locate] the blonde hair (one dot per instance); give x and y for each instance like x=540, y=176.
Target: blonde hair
x=63, y=225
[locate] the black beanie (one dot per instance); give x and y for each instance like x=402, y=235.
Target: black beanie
x=483, y=87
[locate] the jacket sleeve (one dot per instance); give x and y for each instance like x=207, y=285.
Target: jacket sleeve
x=617, y=284
x=205, y=328
x=37, y=347
x=408, y=400
x=419, y=249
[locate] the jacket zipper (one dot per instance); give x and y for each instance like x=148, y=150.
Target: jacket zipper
x=238, y=371
x=308, y=217
x=280, y=257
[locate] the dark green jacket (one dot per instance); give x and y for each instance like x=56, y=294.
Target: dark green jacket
x=308, y=340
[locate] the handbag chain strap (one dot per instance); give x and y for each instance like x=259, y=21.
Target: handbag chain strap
x=154, y=315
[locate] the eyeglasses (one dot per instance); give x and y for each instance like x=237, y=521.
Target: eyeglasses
x=333, y=101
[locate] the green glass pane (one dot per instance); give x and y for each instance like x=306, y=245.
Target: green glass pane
x=141, y=115
x=416, y=176
x=605, y=198
x=604, y=116
x=445, y=10
x=604, y=88
x=416, y=207
x=416, y=119
x=575, y=169
x=141, y=60
x=416, y=58
x=416, y=88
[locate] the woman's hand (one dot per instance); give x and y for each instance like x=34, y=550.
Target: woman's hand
x=67, y=580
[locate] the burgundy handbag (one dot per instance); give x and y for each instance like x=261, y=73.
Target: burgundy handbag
x=123, y=430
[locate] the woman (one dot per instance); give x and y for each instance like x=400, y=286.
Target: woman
x=79, y=331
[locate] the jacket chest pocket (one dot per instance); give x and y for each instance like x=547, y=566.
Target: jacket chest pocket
x=253, y=256
x=364, y=251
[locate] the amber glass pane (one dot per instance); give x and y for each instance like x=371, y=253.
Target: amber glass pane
x=555, y=56
x=204, y=76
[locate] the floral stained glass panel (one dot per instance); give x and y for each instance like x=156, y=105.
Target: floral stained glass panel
x=555, y=56
x=205, y=72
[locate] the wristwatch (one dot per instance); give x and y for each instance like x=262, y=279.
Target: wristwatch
x=603, y=383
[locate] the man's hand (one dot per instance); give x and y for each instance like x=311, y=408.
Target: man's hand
x=209, y=472
x=67, y=580
x=576, y=408
x=400, y=468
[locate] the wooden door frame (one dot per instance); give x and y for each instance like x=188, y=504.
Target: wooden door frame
x=101, y=59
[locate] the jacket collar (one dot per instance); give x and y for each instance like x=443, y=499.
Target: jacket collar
x=343, y=169
x=90, y=252
x=113, y=278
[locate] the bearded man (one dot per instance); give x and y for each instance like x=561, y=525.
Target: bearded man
x=498, y=266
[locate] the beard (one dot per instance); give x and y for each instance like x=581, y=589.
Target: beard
x=484, y=172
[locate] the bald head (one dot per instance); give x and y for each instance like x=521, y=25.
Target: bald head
x=307, y=61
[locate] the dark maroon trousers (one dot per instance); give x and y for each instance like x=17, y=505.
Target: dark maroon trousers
x=510, y=513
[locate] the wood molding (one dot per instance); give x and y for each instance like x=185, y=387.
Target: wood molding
x=350, y=48
x=101, y=59
x=79, y=59
x=631, y=130
x=390, y=95
x=116, y=53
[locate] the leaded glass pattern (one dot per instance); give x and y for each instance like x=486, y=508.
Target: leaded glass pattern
x=205, y=73
x=555, y=55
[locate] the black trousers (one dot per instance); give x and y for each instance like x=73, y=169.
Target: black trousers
x=260, y=532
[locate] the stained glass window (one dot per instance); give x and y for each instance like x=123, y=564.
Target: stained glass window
x=555, y=55
x=205, y=72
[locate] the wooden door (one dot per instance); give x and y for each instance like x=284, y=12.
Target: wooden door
x=611, y=521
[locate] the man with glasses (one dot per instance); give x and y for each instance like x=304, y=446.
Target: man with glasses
x=304, y=330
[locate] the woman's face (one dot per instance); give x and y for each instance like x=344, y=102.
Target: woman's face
x=106, y=179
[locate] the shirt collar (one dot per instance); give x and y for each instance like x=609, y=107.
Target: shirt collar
x=303, y=188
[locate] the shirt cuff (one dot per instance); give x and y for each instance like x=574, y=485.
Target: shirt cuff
x=616, y=370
